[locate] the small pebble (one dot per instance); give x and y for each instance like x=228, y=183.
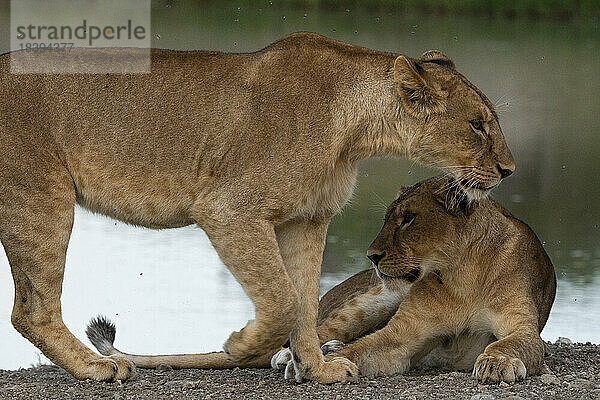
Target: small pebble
x=563, y=340
x=583, y=384
x=549, y=379
x=191, y=384
x=482, y=397
x=164, y=367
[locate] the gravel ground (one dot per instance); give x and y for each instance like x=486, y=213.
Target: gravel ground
x=575, y=367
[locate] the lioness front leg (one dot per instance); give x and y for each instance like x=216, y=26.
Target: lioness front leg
x=362, y=314
x=518, y=352
x=36, y=217
x=249, y=249
x=389, y=350
x=301, y=243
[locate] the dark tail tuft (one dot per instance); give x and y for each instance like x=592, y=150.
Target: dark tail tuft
x=101, y=332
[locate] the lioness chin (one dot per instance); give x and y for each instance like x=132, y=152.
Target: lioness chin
x=456, y=285
x=257, y=149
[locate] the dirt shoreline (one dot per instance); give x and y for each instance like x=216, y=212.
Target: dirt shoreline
x=575, y=367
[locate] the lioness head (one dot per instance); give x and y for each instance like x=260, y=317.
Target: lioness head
x=418, y=225
x=459, y=129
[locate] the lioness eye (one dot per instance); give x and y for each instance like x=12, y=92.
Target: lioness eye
x=477, y=124
x=407, y=219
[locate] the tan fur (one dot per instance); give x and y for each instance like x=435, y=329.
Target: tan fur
x=482, y=291
x=257, y=149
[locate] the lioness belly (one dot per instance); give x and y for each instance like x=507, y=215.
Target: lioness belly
x=152, y=201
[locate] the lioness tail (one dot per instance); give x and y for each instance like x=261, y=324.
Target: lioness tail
x=101, y=332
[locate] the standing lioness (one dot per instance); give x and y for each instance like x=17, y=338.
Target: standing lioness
x=257, y=149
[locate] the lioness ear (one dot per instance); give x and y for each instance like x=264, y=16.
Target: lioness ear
x=419, y=97
x=437, y=57
x=401, y=191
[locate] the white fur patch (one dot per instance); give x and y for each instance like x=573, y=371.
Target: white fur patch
x=332, y=346
x=280, y=359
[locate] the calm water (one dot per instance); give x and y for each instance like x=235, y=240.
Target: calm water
x=168, y=292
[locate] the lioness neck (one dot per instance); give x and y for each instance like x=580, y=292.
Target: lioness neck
x=369, y=117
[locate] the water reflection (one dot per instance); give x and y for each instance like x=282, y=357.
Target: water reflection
x=168, y=292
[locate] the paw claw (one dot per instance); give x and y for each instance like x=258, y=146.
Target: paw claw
x=498, y=368
x=290, y=372
x=125, y=368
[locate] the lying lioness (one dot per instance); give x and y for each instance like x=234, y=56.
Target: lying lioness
x=259, y=150
x=456, y=285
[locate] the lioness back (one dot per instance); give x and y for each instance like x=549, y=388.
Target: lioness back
x=144, y=147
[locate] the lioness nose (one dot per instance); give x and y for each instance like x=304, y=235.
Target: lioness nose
x=505, y=172
x=375, y=256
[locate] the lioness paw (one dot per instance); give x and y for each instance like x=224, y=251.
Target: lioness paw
x=491, y=369
x=109, y=369
x=337, y=369
x=281, y=359
x=125, y=368
x=333, y=370
x=332, y=346
x=250, y=344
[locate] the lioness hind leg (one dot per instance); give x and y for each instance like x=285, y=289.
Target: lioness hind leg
x=363, y=314
x=36, y=217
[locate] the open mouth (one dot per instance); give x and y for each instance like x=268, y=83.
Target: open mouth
x=411, y=276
